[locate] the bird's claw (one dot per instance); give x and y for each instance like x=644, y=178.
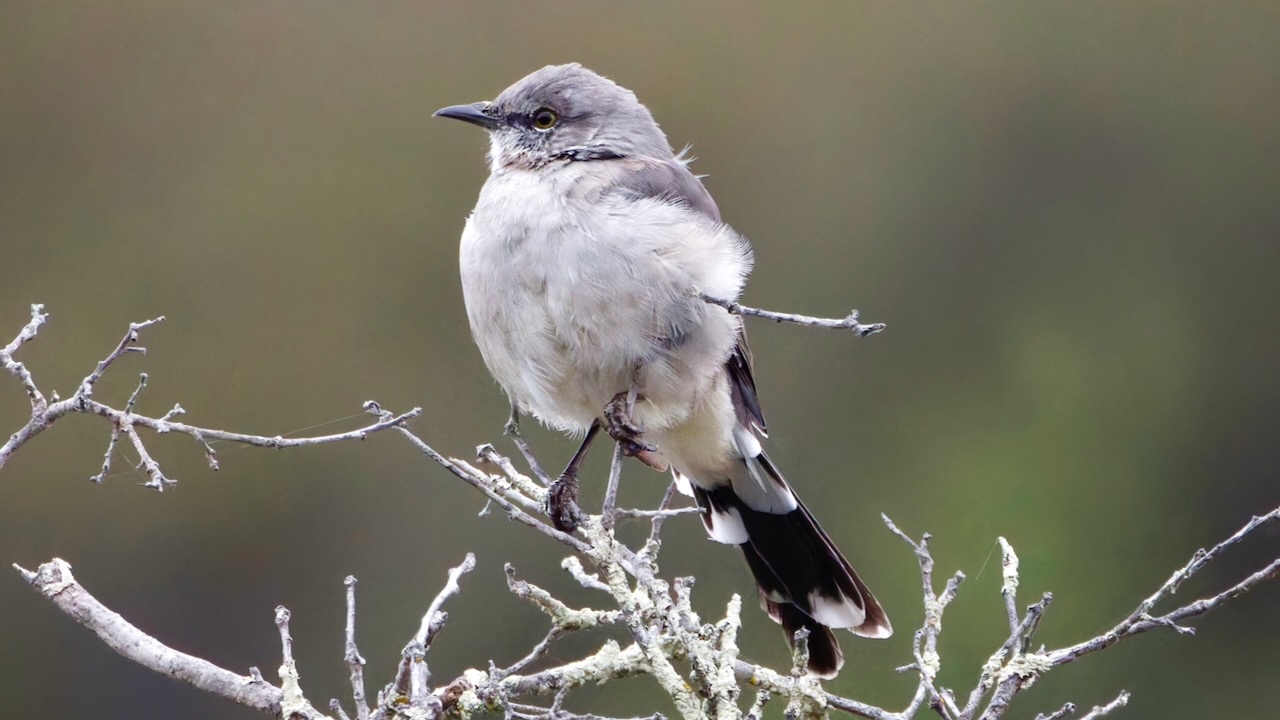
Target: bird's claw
x=562, y=503
x=624, y=430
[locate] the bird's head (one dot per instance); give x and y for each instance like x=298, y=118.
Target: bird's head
x=563, y=113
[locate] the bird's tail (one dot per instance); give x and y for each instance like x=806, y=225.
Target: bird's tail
x=803, y=580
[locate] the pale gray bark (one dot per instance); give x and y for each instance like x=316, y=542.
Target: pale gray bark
x=695, y=662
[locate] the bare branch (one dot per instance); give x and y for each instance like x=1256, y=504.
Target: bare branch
x=44, y=414
x=55, y=581
x=722, y=683
x=608, y=512
x=766, y=679
x=656, y=514
x=1062, y=712
x=849, y=322
x=428, y=628
x=487, y=453
x=1141, y=620
x=293, y=702
x=925, y=643
x=17, y=369
x=610, y=662
x=561, y=615
x=156, y=479
x=106, y=457
x=1099, y=710
x=125, y=345
x=695, y=663
x=1008, y=669
x=1021, y=668
x=660, y=515
x=757, y=708
x=413, y=676
x=604, y=553
x=537, y=653
x=1009, y=588
x=352, y=654
x=574, y=567
x=512, y=430
x=486, y=485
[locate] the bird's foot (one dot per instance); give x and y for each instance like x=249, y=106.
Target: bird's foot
x=562, y=503
x=625, y=431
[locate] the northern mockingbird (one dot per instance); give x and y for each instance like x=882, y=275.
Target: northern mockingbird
x=583, y=266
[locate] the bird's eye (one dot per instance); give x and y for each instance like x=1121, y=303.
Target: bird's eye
x=544, y=119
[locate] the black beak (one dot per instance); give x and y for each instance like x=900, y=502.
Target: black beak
x=475, y=113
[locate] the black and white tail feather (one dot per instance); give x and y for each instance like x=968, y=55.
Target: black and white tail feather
x=803, y=580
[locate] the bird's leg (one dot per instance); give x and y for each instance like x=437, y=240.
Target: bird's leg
x=513, y=421
x=562, y=496
x=622, y=427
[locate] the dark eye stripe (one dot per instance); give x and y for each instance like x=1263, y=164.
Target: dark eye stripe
x=526, y=121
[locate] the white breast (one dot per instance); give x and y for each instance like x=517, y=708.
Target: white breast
x=568, y=294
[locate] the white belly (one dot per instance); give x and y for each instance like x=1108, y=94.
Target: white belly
x=569, y=300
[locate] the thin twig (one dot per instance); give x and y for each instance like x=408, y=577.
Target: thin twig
x=512, y=430
x=1008, y=670
x=608, y=512
x=778, y=684
x=757, y=708
x=125, y=345
x=591, y=582
x=17, y=369
x=925, y=642
x=1200, y=558
x=849, y=322
x=485, y=485
x=106, y=456
x=1099, y=710
x=560, y=614
x=658, y=514
x=413, y=677
x=44, y=414
x=352, y=656
x=1009, y=586
x=118, y=418
x=537, y=653
x=1140, y=620
x=529, y=494
x=156, y=479
x=427, y=629
x=1062, y=712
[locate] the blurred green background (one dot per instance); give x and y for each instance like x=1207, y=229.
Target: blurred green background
x=1067, y=213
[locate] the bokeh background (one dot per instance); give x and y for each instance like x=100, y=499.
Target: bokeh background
x=1067, y=214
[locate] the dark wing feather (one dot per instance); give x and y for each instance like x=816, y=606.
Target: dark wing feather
x=742, y=386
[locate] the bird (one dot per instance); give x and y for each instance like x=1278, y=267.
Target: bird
x=586, y=267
